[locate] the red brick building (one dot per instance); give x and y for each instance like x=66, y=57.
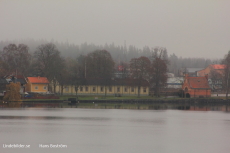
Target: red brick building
x=196, y=86
x=218, y=68
x=215, y=73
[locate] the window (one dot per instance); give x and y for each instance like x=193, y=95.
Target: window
x=66, y=89
x=144, y=89
x=101, y=89
x=110, y=89
x=45, y=87
x=132, y=89
x=126, y=90
x=118, y=89
x=81, y=88
x=86, y=88
x=36, y=87
x=94, y=89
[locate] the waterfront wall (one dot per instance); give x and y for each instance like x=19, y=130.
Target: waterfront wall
x=162, y=101
x=178, y=102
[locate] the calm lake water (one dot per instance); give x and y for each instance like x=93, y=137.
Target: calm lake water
x=113, y=131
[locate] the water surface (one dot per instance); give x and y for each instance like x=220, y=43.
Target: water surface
x=115, y=130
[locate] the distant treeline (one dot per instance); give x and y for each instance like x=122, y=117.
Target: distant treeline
x=120, y=53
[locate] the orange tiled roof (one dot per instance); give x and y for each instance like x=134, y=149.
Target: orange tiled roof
x=198, y=82
x=38, y=79
x=218, y=66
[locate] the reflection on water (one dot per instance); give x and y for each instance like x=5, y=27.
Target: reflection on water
x=116, y=130
x=52, y=118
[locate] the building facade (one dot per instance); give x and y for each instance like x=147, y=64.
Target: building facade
x=118, y=87
x=196, y=87
x=37, y=84
x=189, y=71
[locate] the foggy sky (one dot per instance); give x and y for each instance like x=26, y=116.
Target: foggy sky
x=188, y=28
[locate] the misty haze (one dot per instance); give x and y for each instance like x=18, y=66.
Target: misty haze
x=109, y=76
x=185, y=28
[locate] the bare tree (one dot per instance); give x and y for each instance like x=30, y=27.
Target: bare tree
x=76, y=72
x=216, y=78
x=99, y=64
x=159, y=69
x=49, y=62
x=140, y=70
x=3, y=68
x=64, y=76
x=17, y=58
x=226, y=78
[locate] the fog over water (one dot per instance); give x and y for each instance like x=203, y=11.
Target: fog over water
x=114, y=130
x=186, y=28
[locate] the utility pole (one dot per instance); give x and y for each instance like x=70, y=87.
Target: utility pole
x=85, y=68
x=227, y=84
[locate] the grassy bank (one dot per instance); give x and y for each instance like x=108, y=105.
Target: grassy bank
x=66, y=97
x=113, y=97
x=100, y=97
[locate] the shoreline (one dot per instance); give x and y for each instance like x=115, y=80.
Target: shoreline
x=137, y=101
x=142, y=104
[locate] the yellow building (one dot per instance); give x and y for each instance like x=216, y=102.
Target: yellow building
x=37, y=84
x=118, y=87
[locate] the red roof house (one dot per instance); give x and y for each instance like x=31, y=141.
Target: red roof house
x=196, y=86
x=215, y=73
x=37, y=84
x=38, y=79
x=219, y=68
